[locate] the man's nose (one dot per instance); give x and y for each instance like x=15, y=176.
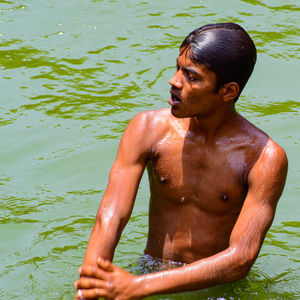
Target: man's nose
x=176, y=81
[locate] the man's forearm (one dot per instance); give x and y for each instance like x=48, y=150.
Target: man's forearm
x=102, y=242
x=116, y=283
x=220, y=268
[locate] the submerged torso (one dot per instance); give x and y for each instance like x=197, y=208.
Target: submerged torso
x=197, y=188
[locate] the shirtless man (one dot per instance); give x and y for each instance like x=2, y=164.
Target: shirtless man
x=215, y=179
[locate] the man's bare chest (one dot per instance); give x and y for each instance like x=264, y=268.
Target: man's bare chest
x=210, y=177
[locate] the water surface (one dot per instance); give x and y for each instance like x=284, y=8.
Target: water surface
x=73, y=73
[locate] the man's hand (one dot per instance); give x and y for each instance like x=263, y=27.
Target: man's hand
x=106, y=280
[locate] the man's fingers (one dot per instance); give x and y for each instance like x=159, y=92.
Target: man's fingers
x=89, y=283
x=78, y=295
x=105, y=265
x=90, y=294
x=94, y=272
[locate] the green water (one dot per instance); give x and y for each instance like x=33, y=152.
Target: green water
x=73, y=73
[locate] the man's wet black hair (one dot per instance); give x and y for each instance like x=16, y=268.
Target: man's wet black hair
x=226, y=49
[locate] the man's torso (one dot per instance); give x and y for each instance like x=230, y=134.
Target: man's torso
x=198, y=187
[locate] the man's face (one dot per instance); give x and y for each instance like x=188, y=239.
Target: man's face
x=192, y=89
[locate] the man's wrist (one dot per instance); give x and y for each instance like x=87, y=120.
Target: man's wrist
x=141, y=287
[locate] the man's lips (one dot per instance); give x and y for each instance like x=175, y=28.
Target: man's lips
x=174, y=99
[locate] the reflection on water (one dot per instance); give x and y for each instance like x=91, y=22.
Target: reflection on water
x=72, y=76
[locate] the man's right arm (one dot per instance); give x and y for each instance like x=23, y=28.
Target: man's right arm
x=117, y=203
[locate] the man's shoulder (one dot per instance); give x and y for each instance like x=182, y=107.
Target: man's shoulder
x=249, y=129
x=272, y=159
x=270, y=147
x=268, y=175
x=261, y=148
x=250, y=136
x=146, y=128
x=153, y=116
x=273, y=154
x=152, y=121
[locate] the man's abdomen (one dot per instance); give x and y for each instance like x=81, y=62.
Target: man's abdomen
x=187, y=234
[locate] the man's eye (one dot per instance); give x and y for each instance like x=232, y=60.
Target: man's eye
x=191, y=77
x=177, y=67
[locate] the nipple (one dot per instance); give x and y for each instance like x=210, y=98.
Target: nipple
x=182, y=200
x=163, y=179
x=224, y=197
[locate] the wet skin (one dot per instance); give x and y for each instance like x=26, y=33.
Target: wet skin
x=197, y=187
x=215, y=180
x=198, y=183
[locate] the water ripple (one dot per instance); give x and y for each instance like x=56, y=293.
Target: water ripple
x=73, y=75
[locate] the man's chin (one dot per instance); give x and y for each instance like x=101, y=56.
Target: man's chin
x=176, y=113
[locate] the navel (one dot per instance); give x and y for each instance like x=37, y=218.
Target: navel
x=225, y=197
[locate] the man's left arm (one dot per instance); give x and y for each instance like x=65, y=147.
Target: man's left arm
x=266, y=182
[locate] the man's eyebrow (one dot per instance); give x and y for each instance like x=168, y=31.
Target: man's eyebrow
x=188, y=69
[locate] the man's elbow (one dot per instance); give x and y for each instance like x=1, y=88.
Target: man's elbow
x=242, y=265
x=240, y=272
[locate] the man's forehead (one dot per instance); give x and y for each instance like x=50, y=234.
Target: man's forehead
x=184, y=60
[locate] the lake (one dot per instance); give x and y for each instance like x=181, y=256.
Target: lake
x=73, y=73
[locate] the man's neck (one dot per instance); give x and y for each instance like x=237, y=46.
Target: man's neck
x=212, y=126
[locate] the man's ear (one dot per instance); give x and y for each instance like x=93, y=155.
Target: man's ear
x=230, y=91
